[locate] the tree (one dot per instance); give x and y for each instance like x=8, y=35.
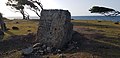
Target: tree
x=104, y=11
x=14, y=4
x=3, y=25
x=33, y=5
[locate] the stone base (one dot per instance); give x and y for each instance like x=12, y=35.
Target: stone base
x=55, y=28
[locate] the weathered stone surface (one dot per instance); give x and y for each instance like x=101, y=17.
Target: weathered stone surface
x=55, y=28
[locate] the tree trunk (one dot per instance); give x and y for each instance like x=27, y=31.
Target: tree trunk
x=23, y=14
x=3, y=27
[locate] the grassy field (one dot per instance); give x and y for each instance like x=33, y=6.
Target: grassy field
x=107, y=30
x=100, y=39
x=23, y=25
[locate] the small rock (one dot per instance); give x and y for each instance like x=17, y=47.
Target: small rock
x=59, y=51
x=62, y=56
x=48, y=49
x=77, y=47
x=27, y=50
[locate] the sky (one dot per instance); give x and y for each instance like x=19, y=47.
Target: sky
x=75, y=7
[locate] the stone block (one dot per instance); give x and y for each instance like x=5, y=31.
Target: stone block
x=55, y=28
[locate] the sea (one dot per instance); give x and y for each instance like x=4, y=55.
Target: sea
x=105, y=18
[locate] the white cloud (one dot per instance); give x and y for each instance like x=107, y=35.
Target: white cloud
x=50, y=4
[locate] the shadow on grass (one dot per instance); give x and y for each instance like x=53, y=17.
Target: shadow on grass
x=93, y=47
x=94, y=25
x=16, y=42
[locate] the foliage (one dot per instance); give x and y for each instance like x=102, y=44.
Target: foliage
x=105, y=11
x=14, y=4
x=34, y=5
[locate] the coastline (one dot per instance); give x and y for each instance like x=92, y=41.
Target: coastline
x=105, y=18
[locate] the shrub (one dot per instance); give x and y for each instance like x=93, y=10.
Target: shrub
x=15, y=28
x=116, y=23
x=17, y=22
x=29, y=30
x=99, y=21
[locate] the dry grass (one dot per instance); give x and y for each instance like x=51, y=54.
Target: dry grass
x=23, y=25
x=109, y=30
x=99, y=35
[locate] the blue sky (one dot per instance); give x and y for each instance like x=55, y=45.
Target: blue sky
x=76, y=7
